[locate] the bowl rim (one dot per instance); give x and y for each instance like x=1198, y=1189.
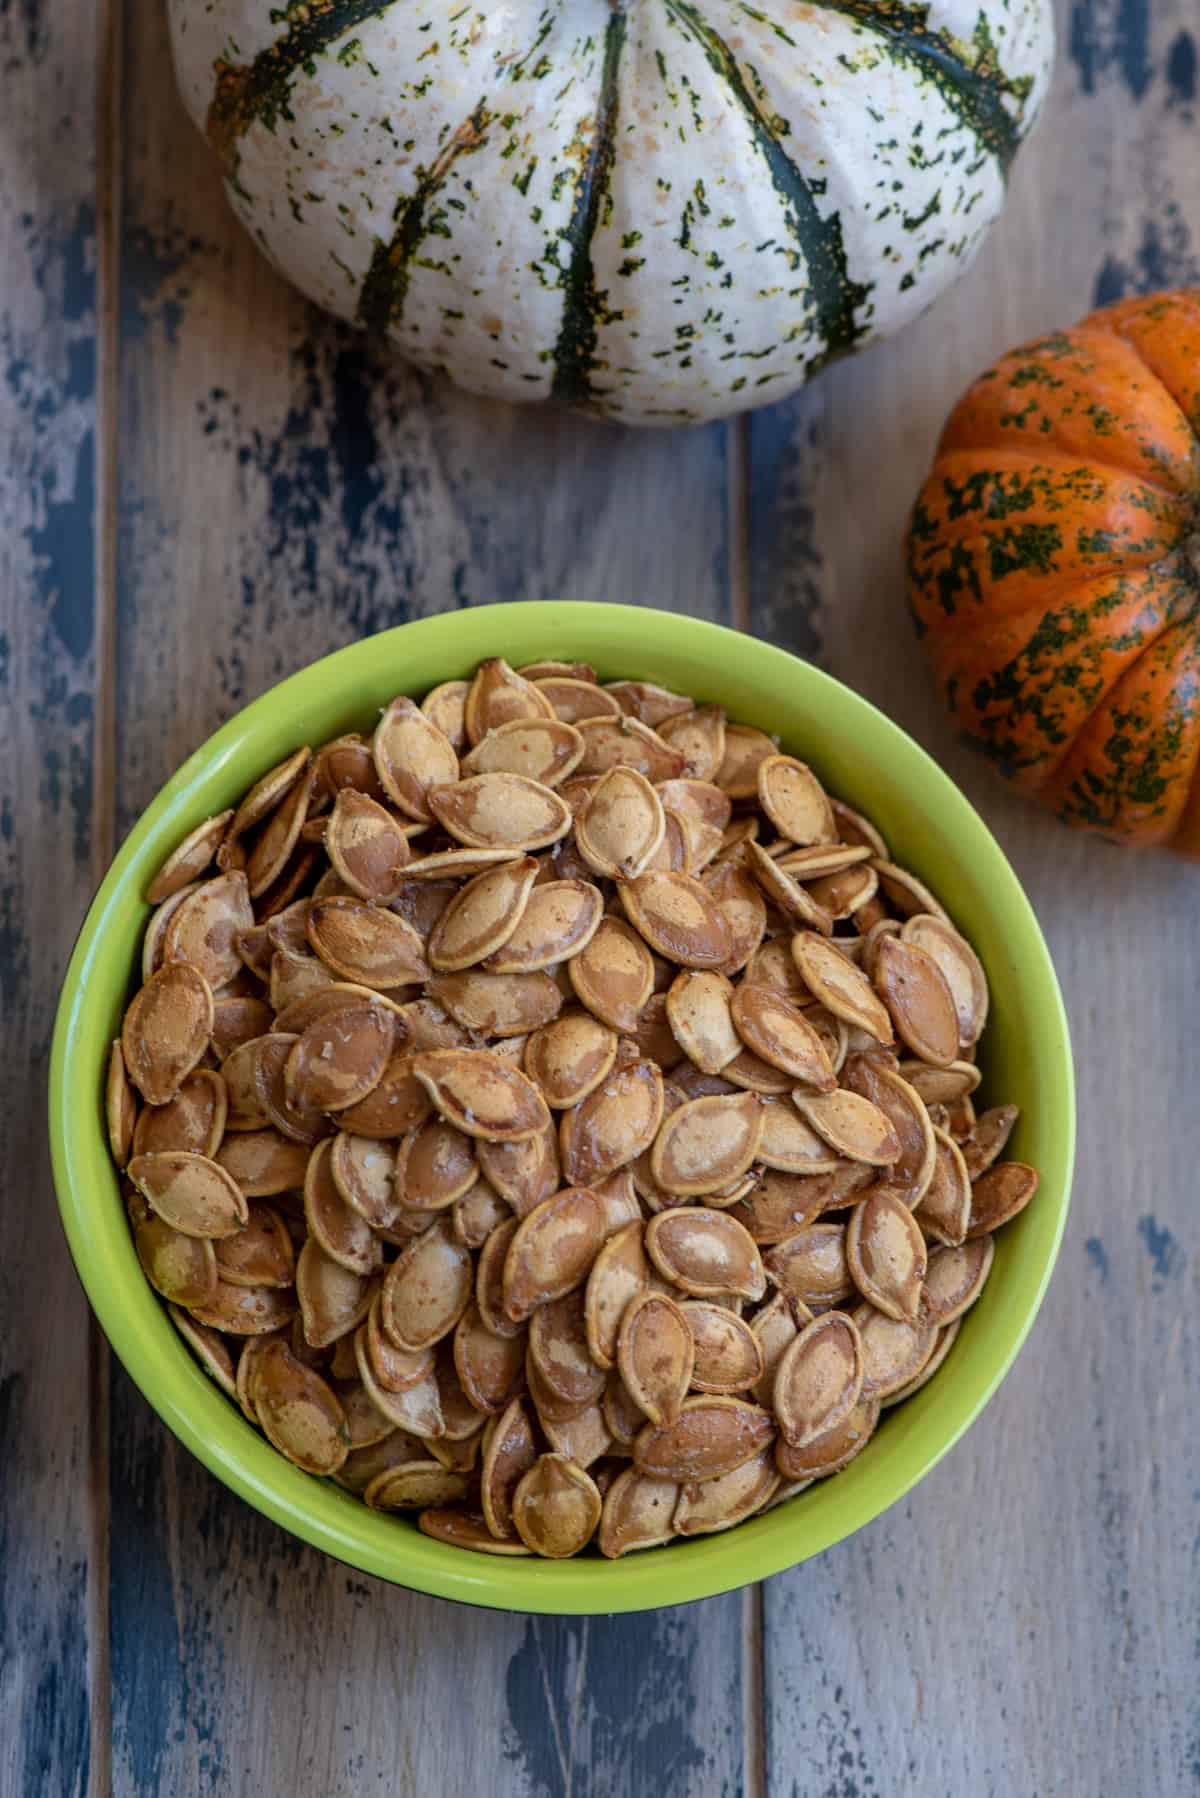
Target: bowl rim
x=185, y=1397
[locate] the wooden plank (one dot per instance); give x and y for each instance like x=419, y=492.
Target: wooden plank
x=1026, y=1621
x=284, y=490
x=52, y=836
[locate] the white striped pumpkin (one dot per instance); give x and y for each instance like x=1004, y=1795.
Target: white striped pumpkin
x=657, y=210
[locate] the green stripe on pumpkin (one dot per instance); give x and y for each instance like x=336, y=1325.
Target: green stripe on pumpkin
x=832, y=296
x=258, y=91
x=974, y=91
x=385, y=285
x=575, y=349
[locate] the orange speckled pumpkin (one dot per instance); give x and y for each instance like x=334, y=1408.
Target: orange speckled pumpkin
x=1054, y=569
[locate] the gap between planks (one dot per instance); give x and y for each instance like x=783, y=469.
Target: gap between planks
x=109, y=40
x=754, y=1697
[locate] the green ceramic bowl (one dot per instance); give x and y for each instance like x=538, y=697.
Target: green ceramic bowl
x=864, y=759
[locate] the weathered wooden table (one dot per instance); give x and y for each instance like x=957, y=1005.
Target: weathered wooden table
x=204, y=485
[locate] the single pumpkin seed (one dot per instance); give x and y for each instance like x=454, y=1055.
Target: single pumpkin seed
x=833, y=1449
x=392, y=1368
x=886, y=1254
x=435, y=1165
x=712, y=1436
x=340, y=1058
x=944, y=1213
x=811, y=1265
x=190, y=1192
x=267, y=864
x=367, y=846
x=333, y=1300
x=825, y=861
x=260, y=1254
x=342, y=1232
x=955, y=1279
x=912, y=1170
x=738, y=898
x=491, y=1368
x=941, y=1086
x=366, y=945
x=713, y=1505
x=543, y=749
x=707, y=1144
x=411, y=756
x=647, y=701
x=945, y=1342
x=415, y=1486
x=699, y=736
x=555, y=1507
x=501, y=811
x=988, y=1138
x=894, y=1351
x=961, y=967
x=794, y=901
x=193, y=1120
x=780, y=1204
x=637, y=1513
x=788, y=1145
x=552, y=1250
x=481, y=1094
x=698, y=1007
x=655, y=1354
x=851, y=1125
x=365, y=1425
x=558, y=1346
x=497, y=696
x=559, y=920
x=166, y=1030
x=613, y=1124
x=426, y=1289
x=445, y=706
x=305, y=1124
x=482, y=916
x=246, y=1310
x=363, y=1170
x=996, y=1196
x=189, y=860
x=573, y=700
x=745, y=750
x=613, y=975
x=497, y=1004
x=904, y=892
x=627, y=742
x=183, y=1269
x=774, y=1327
x=416, y=1410
x=263, y=1163
x=727, y=1355
x=773, y=1027
x=523, y=1173
x=583, y=1437
x=677, y=916
x=918, y=996
x=298, y=1411
x=794, y=800
x=840, y=986
x=619, y=1273
x=818, y=1378
x=347, y=764
x=569, y=1057
x=705, y=1253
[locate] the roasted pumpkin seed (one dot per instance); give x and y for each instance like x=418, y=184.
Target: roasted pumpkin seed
x=705, y=1253
x=997, y=1196
x=712, y=1436
x=556, y=1507
x=886, y=1254
x=655, y=1355
x=559, y=920
x=552, y=1250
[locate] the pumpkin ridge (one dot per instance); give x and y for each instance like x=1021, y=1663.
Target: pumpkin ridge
x=385, y=284
x=1002, y=737
x=246, y=92
x=972, y=95
x=831, y=293
x=575, y=348
x=1137, y=790
x=1117, y=329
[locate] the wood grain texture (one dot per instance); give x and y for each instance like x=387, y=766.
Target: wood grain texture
x=53, y=1515
x=1026, y=1622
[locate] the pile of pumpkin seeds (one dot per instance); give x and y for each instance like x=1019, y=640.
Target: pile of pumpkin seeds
x=554, y=1116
